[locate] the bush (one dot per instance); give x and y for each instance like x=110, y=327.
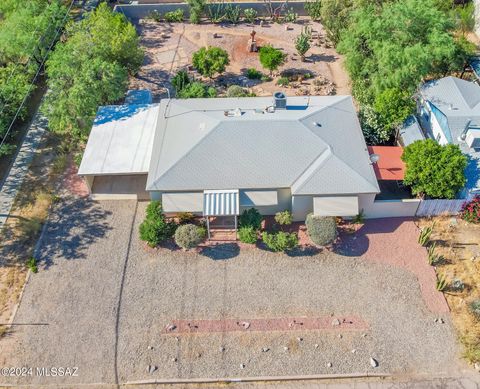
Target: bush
x=196, y=8
x=180, y=80
x=254, y=74
x=471, y=211
x=155, y=228
x=280, y=241
x=284, y=218
x=475, y=308
x=290, y=16
x=314, y=9
x=210, y=60
x=196, y=89
x=32, y=265
x=185, y=217
x=271, y=58
x=283, y=81
x=236, y=91
x=247, y=234
x=155, y=15
x=232, y=13
x=189, y=236
x=250, y=15
x=251, y=218
x=302, y=45
x=322, y=230
x=174, y=16
x=434, y=170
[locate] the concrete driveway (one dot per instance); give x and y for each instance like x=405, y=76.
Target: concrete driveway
x=102, y=301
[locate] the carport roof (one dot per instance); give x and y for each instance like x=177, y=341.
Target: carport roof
x=121, y=140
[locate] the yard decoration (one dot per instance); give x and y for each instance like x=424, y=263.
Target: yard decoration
x=434, y=170
x=322, y=230
x=188, y=236
x=155, y=228
x=252, y=43
x=271, y=58
x=209, y=61
x=471, y=211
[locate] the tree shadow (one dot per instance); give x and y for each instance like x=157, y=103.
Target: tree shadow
x=77, y=223
x=221, y=252
x=313, y=58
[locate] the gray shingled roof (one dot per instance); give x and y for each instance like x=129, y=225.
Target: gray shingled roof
x=315, y=146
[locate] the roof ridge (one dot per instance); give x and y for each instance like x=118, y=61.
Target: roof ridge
x=312, y=168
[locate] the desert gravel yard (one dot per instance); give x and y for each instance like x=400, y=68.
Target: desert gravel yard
x=80, y=288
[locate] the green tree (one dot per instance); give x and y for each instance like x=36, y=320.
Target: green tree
x=465, y=17
x=180, y=81
x=196, y=89
x=271, y=58
x=90, y=69
x=209, y=61
x=434, y=170
x=314, y=9
x=394, y=105
x=196, y=8
x=302, y=45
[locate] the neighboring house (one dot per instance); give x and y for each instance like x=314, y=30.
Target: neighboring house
x=449, y=110
x=220, y=156
x=410, y=131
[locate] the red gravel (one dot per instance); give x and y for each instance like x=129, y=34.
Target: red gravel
x=73, y=182
x=394, y=241
x=278, y=324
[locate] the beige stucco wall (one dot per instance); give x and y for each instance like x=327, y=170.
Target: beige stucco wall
x=387, y=208
x=284, y=203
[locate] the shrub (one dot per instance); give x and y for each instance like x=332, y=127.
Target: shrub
x=313, y=9
x=322, y=230
x=254, y=74
x=32, y=265
x=425, y=233
x=155, y=228
x=280, y=241
x=196, y=8
x=247, y=234
x=174, y=16
x=185, y=217
x=216, y=12
x=434, y=170
x=283, y=81
x=232, y=13
x=359, y=218
x=196, y=89
x=290, y=16
x=302, y=45
x=442, y=283
x=180, y=80
x=155, y=15
x=475, y=308
x=471, y=211
x=210, y=60
x=250, y=15
x=236, y=91
x=284, y=218
x=189, y=236
x=271, y=58
x=251, y=218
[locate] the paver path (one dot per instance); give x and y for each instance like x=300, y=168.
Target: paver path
x=394, y=241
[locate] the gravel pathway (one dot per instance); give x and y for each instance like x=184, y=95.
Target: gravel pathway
x=77, y=294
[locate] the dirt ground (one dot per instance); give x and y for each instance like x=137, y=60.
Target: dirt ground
x=169, y=47
x=459, y=244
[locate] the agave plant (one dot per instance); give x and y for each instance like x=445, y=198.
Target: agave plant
x=442, y=283
x=425, y=234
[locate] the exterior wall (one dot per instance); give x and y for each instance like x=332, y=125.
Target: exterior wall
x=174, y=202
x=335, y=205
x=433, y=125
x=284, y=203
x=140, y=11
x=301, y=207
x=118, y=187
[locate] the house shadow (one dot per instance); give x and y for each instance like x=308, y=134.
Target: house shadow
x=76, y=224
x=221, y=251
x=116, y=113
x=356, y=243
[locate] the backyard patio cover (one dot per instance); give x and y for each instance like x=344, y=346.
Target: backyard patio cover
x=390, y=165
x=221, y=202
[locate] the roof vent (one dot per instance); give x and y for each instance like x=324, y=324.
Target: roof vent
x=233, y=112
x=279, y=100
x=473, y=138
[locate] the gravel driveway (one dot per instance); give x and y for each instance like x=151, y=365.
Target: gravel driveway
x=82, y=286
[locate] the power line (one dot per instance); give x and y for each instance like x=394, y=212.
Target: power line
x=37, y=73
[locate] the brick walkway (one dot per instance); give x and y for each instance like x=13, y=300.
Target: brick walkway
x=394, y=241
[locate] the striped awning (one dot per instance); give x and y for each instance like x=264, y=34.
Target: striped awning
x=220, y=202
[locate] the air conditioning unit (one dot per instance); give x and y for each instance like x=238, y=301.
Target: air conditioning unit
x=473, y=138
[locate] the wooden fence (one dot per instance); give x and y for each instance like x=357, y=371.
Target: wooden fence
x=439, y=207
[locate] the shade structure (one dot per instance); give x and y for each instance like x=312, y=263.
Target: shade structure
x=221, y=202
x=390, y=165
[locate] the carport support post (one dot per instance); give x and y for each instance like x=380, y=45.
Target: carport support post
x=208, y=227
x=236, y=227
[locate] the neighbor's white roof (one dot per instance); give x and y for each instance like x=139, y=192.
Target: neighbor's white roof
x=121, y=140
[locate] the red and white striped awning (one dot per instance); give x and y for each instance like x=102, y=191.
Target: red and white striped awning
x=221, y=202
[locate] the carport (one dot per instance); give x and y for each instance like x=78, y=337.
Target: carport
x=117, y=157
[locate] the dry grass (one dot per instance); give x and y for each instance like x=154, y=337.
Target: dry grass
x=459, y=243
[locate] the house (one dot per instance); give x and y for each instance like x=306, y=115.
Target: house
x=410, y=131
x=219, y=156
x=449, y=110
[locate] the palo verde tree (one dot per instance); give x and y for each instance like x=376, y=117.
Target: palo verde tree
x=209, y=61
x=434, y=170
x=90, y=69
x=271, y=58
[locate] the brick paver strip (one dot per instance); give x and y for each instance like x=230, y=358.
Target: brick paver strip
x=347, y=323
